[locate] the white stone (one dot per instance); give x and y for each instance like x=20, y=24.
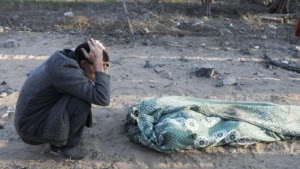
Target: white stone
x=265, y=37
x=69, y=14
x=227, y=43
x=230, y=80
x=273, y=27
x=167, y=75
x=3, y=94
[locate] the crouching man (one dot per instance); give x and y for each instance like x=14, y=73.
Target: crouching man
x=54, y=104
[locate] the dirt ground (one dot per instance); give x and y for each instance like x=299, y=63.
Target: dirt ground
x=236, y=53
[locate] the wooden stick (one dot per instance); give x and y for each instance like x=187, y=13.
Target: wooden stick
x=281, y=65
x=129, y=23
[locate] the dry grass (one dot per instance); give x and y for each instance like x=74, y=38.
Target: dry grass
x=254, y=22
x=102, y=17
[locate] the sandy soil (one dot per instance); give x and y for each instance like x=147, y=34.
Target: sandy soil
x=106, y=142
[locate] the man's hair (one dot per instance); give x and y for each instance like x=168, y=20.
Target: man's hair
x=80, y=56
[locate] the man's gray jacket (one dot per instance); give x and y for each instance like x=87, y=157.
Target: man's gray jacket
x=41, y=107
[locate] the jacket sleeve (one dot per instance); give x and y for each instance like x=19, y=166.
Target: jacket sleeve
x=69, y=78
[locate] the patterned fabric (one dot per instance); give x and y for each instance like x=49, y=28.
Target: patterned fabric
x=171, y=124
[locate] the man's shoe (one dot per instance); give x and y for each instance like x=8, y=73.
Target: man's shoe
x=68, y=152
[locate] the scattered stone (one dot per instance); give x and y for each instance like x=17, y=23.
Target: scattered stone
x=256, y=47
x=14, y=18
x=7, y=28
x=219, y=84
x=205, y=18
x=3, y=94
x=175, y=44
x=294, y=54
x=148, y=43
x=49, y=13
x=148, y=64
x=206, y=70
x=245, y=51
x=25, y=28
x=9, y=111
x=190, y=45
x=176, y=24
x=187, y=23
x=283, y=48
x=295, y=48
x=259, y=74
x=265, y=37
x=118, y=31
x=270, y=67
x=272, y=27
x=225, y=32
x=167, y=75
x=293, y=39
x=60, y=30
x=285, y=62
x=232, y=150
x=3, y=83
x=10, y=43
x=230, y=25
x=69, y=14
x=183, y=59
x=5, y=115
x=73, y=32
x=227, y=43
x=147, y=30
x=1, y=29
x=203, y=45
x=293, y=74
x=230, y=80
x=4, y=88
x=134, y=14
x=158, y=69
x=152, y=86
x=1, y=125
x=146, y=16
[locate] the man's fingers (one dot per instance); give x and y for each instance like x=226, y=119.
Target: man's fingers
x=85, y=53
x=102, y=46
x=91, y=46
x=98, y=44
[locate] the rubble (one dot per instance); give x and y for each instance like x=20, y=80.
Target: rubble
x=230, y=80
x=148, y=64
x=272, y=27
x=285, y=62
x=206, y=70
x=69, y=14
x=167, y=75
x=264, y=37
x=10, y=43
x=158, y=69
x=9, y=112
x=3, y=94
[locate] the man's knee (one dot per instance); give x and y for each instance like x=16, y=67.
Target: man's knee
x=77, y=105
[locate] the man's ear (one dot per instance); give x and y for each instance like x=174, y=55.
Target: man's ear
x=82, y=63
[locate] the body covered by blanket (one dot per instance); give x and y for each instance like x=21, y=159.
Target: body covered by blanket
x=171, y=124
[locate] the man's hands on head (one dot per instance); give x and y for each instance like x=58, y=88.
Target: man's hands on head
x=96, y=54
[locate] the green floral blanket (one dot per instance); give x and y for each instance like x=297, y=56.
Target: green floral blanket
x=171, y=124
